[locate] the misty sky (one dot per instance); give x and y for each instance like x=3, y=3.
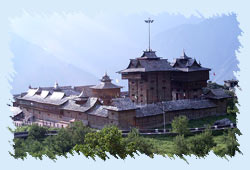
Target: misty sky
x=105, y=42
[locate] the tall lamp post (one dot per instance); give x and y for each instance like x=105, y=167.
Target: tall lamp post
x=149, y=21
x=164, y=120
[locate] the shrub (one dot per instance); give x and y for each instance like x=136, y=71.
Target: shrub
x=180, y=125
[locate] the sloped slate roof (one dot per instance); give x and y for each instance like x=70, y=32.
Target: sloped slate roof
x=48, y=100
x=139, y=65
x=15, y=110
x=149, y=110
x=121, y=104
x=149, y=55
x=186, y=104
x=187, y=64
x=72, y=106
x=105, y=85
x=99, y=110
x=217, y=94
x=67, y=90
x=48, y=95
x=148, y=62
x=85, y=89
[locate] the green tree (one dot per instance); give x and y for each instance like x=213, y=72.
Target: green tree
x=180, y=125
x=63, y=142
x=228, y=144
x=232, y=103
x=19, y=149
x=49, y=147
x=78, y=132
x=36, y=132
x=107, y=140
x=134, y=142
x=180, y=146
x=201, y=144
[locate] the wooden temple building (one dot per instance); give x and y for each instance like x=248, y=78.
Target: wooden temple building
x=157, y=88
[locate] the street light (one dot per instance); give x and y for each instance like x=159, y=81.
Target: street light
x=164, y=120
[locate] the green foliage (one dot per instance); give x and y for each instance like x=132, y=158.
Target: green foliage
x=109, y=139
x=19, y=149
x=38, y=144
x=232, y=103
x=22, y=128
x=63, y=142
x=180, y=125
x=201, y=144
x=134, y=142
x=228, y=144
x=78, y=132
x=37, y=132
x=180, y=146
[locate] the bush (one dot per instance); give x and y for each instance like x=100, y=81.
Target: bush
x=109, y=139
x=134, y=142
x=180, y=125
x=36, y=132
x=180, y=146
x=228, y=144
x=201, y=144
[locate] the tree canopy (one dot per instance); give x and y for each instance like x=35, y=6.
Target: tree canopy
x=180, y=125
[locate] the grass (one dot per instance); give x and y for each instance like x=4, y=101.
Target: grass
x=163, y=145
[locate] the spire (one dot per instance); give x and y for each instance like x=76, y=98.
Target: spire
x=149, y=21
x=56, y=87
x=105, y=78
x=184, y=54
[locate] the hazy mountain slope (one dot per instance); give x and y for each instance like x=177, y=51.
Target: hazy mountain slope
x=35, y=67
x=212, y=41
